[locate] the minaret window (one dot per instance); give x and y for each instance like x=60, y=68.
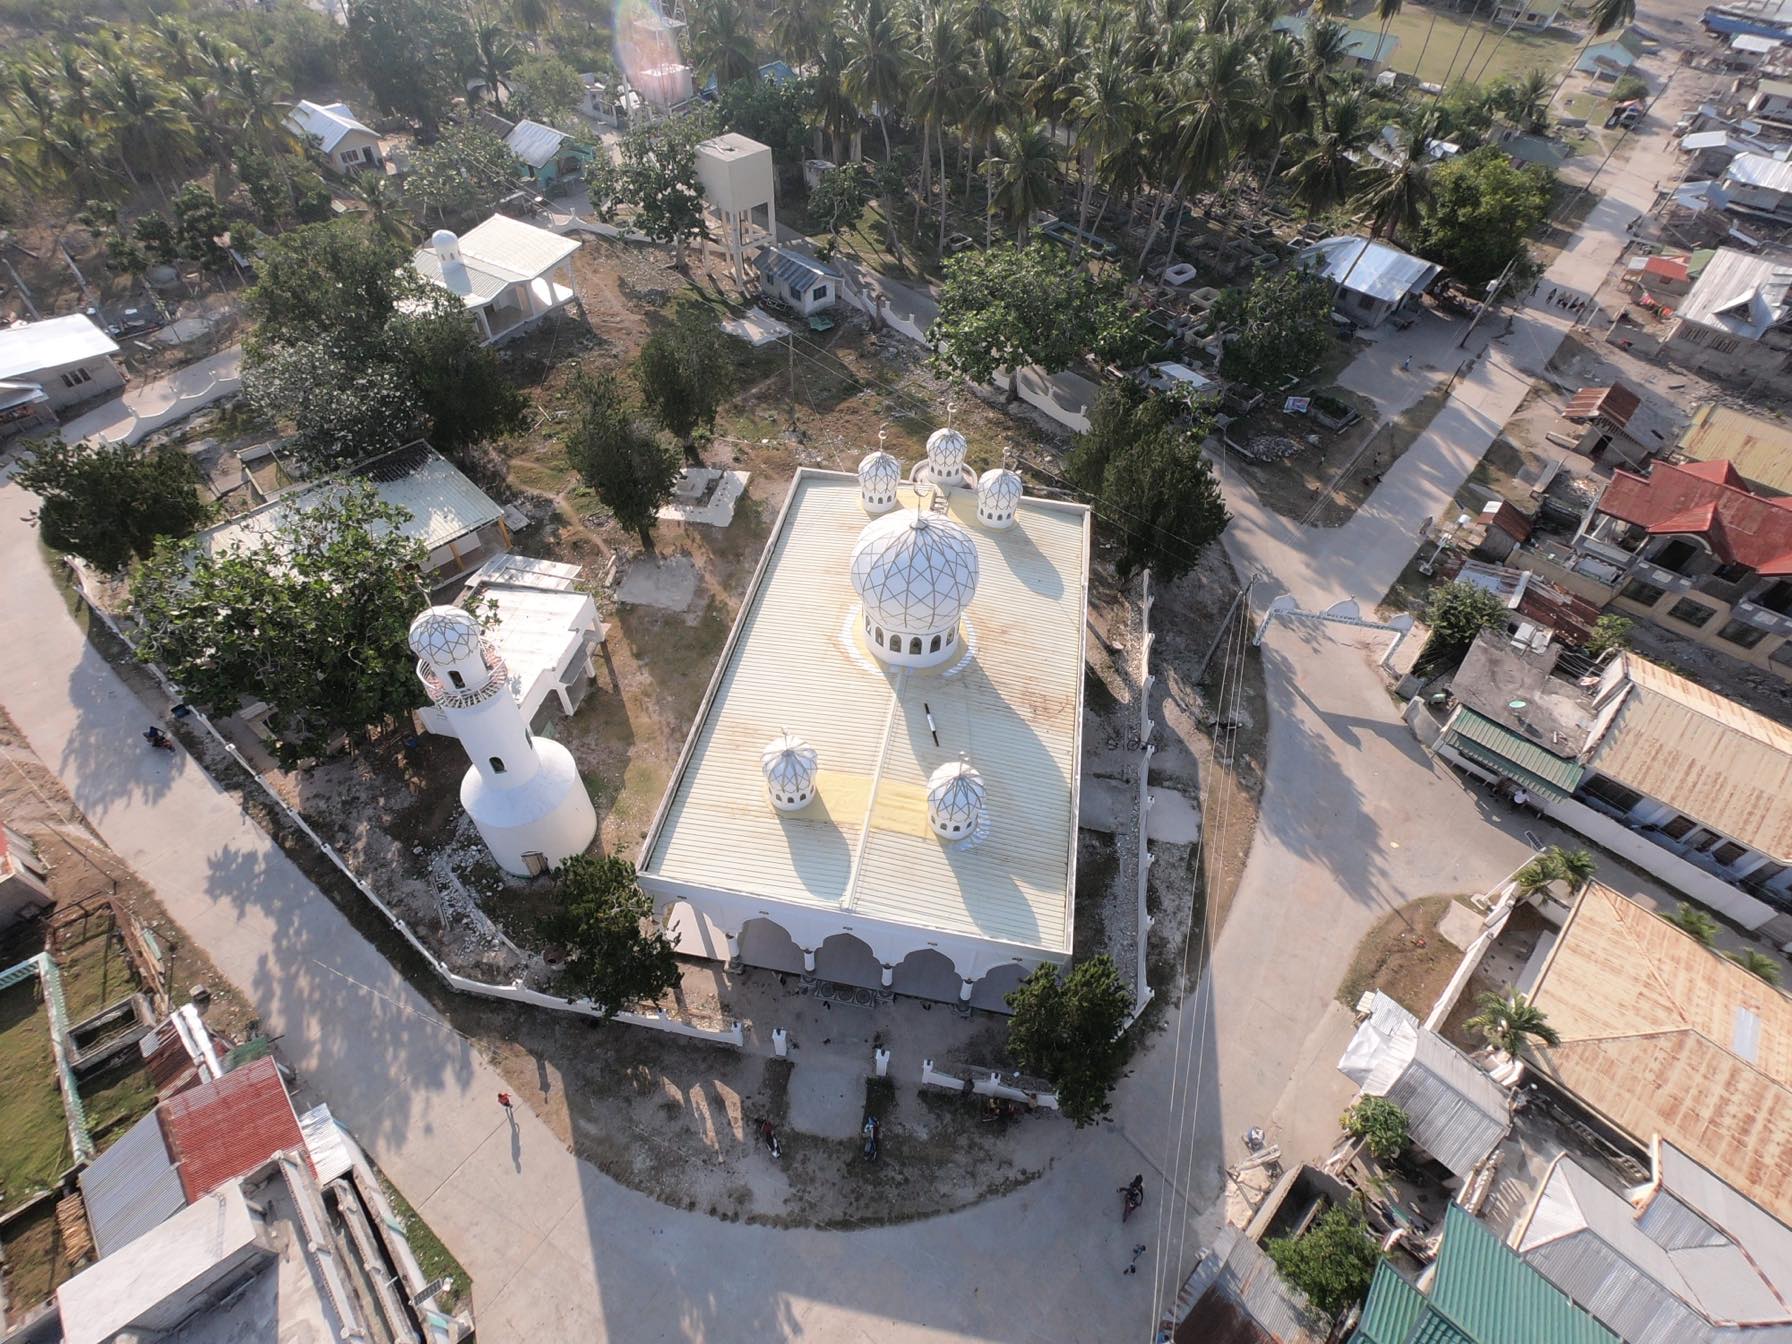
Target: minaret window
x=460, y=682
x=497, y=765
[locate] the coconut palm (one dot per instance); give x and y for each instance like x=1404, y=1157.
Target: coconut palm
x=1386, y=11
x=876, y=65
x=994, y=102
x=1325, y=48
x=1691, y=920
x=1325, y=175
x=1526, y=101
x=533, y=16
x=834, y=106
x=1509, y=1020
x=797, y=27
x=1758, y=964
x=721, y=35
x=1024, y=169
x=1057, y=62
x=386, y=209
x=935, y=90
x=1393, y=200
x=1103, y=113
x=1216, y=110
x=1282, y=91
x=144, y=118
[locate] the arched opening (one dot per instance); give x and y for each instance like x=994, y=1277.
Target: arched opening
x=914, y=645
x=763, y=942
x=927, y=973
x=997, y=982
x=456, y=680
x=497, y=765
x=849, y=960
x=935, y=646
x=951, y=635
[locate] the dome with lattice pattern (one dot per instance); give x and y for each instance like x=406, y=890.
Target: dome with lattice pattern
x=915, y=572
x=945, y=454
x=879, y=475
x=998, y=496
x=444, y=635
x=954, y=799
x=789, y=766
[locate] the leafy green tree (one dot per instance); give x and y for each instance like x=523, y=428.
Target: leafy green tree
x=110, y=503
x=658, y=178
x=1067, y=1030
x=463, y=392
x=199, y=223
x=466, y=172
x=1509, y=1020
x=342, y=409
x=340, y=281
x=775, y=114
x=1009, y=308
x=619, y=955
x=1332, y=1262
x=1758, y=964
x=408, y=52
x=1456, y=614
x=1611, y=634
x=1555, y=864
x=684, y=375
x=1689, y=919
x=1141, y=459
x=1279, y=327
x=630, y=470
x=1482, y=209
x=546, y=89
x=1628, y=88
x=1380, y=1124
x=313, y=622
x=840, y=198
x=156, y=236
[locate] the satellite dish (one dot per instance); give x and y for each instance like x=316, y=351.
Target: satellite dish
x=1517, y=704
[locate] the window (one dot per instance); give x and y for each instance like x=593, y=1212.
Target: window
x=1647, y=594
x=1365, y=301
x=1675, y=555
x=1776, y=597
x=1612, y=793
x=1692, y=613
x=459, y=682
x=950, y=636
x=1677, y=827
x=1741, y=633
x=914, y=645
x=497, y=765
x=75, y=377
x=1728, y=853
x=935, y=647
x=821, y=292
x=880, y=636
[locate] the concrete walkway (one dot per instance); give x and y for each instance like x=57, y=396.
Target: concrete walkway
x=147, y=407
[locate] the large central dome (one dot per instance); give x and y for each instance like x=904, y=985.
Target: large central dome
x=915, y=572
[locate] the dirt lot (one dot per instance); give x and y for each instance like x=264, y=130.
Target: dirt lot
x=1404, y=957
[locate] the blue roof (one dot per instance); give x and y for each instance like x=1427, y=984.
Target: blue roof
x=794, y=269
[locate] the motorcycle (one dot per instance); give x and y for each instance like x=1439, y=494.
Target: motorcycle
x=1132, y=1197
x=870, y=1131
x=770, y=1136
x=158, y=739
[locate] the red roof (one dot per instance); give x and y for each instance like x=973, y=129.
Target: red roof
x=1616, y=403
x=227, y=1128
x=1707, y=500
x=1668, y=268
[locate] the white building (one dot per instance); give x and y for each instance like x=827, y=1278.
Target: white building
x=929, y=667
x=1736, y=321
x=794, y=278
x=736, y=175
x=1772, y=99
x=544, y=629
x=1376, y=280
x=1760, y=184
x=332, y=130
x=24, y=890
x=524, y=793
x=68, y=358
x=509, y=274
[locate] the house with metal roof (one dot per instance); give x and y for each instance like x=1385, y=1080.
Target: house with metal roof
x=1477, y=1291
x=1611, y=57
x=1772, y=99
x=548, y=156
x=1693, y=787
x=1760, y=184
x=1234, y=1295
x=1617, y=419
x=1759, y=449
x=1736, y=321
x=1365, y=49
x=460, y=526
x=1685, y=1258
x=62, y=360
x=509, y=275
x=1376, y=280
x=1454, y=1110
x=334, y=134
x=804, y=283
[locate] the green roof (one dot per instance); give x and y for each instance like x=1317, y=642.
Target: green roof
x=1481, y=1293
x=1513, y=754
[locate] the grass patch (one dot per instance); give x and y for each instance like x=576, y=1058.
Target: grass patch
x=1452, y=41
x=35, y=1264
x=33, y=1127
x=433, y=1258
x=95, y=972
x=1404, y=957
x=117, y=1098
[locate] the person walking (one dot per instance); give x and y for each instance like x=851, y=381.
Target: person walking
x=507, y=1104
x=1137, y=1251
x=1552, y=294
x=1406, y=364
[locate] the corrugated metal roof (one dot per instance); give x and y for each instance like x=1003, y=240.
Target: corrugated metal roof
x=796, y=662
x=1739, y=294
x=1759, y=449
x=131, y=1187
x=1385, y=273
x=31, y=347
x=327, y=1145
x=1235, y=1295
x=329, y=123
x=1484, y=1288
x=444, y=505
x=1645, y=1014
x=495, y=255
x=1393, y=1307
x=1498, y=747
x=1760, y=170
x=793, y=269
x=534, y=143
x=225, y=1129
x=1713, y=760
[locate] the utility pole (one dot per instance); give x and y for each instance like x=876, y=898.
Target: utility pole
x=1493, y=289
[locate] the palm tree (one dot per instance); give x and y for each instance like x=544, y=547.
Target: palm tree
x=935, y=91
x=1691, y=920
x=1216, y=111
x=1758, y=964
x=1508, y=1020
x=144, y=118
x=1386, y=11
x=386, y=209
x=1326, y=174
x=533, y=16
x=1282, y=86
x=875, y=61
x=722, y=41
x=1025, y=171
x=833, y=104
x=1394, y=199
x=1324, y=49
x=1555, y=864
x=494, y=57
x=1103, y=111
x=994, y=103
x=1527, y=101
x=797, y=27
x=1058, y=64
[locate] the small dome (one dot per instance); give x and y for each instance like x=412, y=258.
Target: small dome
x=998, y=495
x=954, y=799
x=945, y=454
x=445, y=635
x=789, y=766
x=879, y=475
x=915, y=572
x=444, y=242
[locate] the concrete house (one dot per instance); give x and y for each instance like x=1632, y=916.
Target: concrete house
x=1760, y=184
x=548, y=156
x=805, y=284
x=333, y=133
x=67, y=359
x=1524, y=14
x=1365, y=50
x=1736, y=322
x=24, y=885
x=1377, y=279
x=1611, y=58
x=1618, y=421
x=510, y=275
x=1772, y=100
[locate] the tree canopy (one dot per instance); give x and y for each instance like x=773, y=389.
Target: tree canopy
x=464, y=173
x=109, y=503
x=1156, y=496
x=1067, y=1030
x=1481, y=211
x=313, y=622
x=658, y=177
x=685, y=374
x=1380, y=1124
x=1332, y=1262
x=1510, y=1019
x=619, y=955
x=627, y=467
x=409, y=53
x=1279, y=324
x=1456, y=613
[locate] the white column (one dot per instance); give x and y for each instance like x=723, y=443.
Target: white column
x=964, y=991
x=733, y=945
x=809, y=961
x=889, y=974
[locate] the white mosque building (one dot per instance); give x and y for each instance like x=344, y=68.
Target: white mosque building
x=880, y=787
x=523, y=793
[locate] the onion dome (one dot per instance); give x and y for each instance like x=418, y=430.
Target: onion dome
x=954, y=799
x=915, y=573
x=945, y=455
x=789, y=766
x=879, y=474
x=998, y=496
x=445, y=635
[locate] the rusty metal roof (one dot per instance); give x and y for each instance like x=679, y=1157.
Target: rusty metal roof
x=1662, y=1036
x=1760, y=450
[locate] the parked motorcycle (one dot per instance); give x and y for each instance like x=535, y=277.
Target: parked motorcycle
x=770, y=1136
x=870, y=1131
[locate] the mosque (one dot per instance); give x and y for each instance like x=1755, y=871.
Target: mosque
x=881, y=784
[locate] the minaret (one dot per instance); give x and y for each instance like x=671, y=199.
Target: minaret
x=523, y=793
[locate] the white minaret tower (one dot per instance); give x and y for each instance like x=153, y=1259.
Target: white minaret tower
x=523, y=793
